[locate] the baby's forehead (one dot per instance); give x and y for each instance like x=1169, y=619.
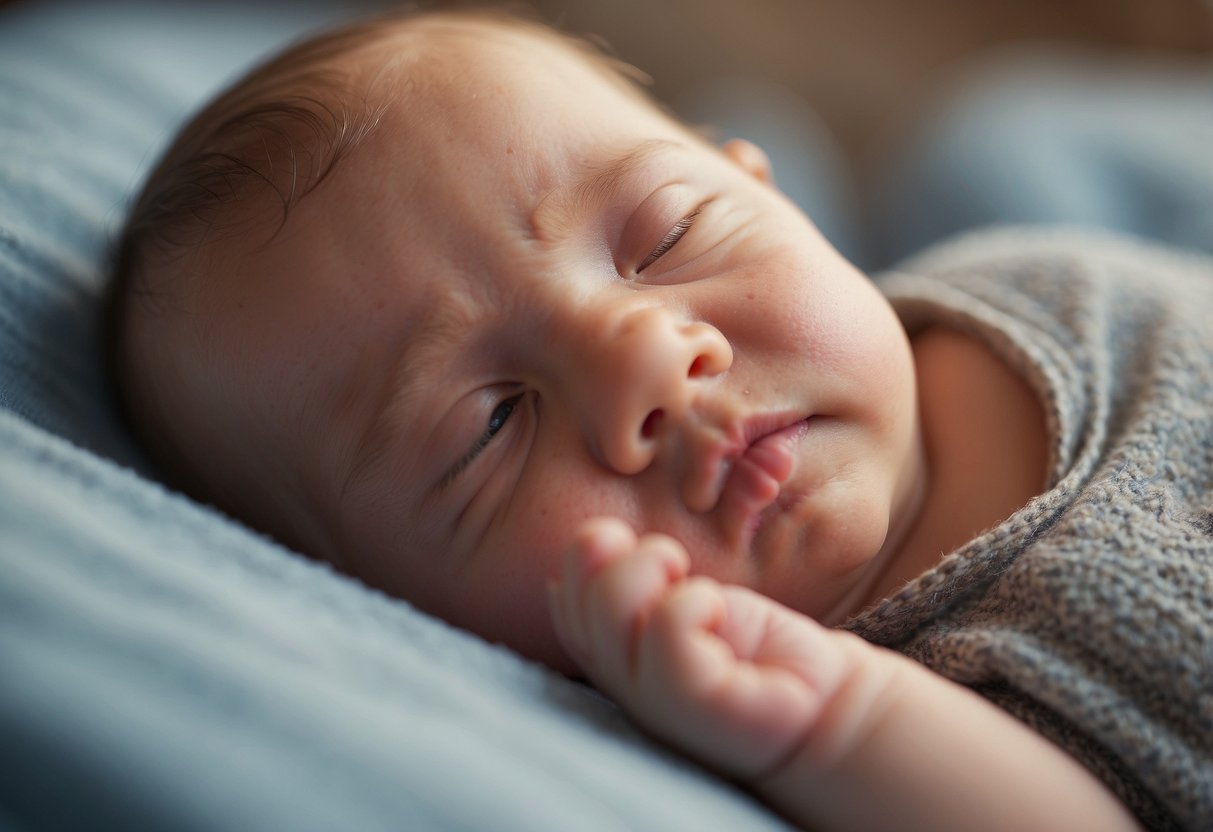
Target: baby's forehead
x=435, y=40
x=409, y=176
x=442, y=52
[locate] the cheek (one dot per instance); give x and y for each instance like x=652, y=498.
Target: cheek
x=852, y=334
x=559, y=493
x=795, y=303
x=876, y=347
x=501, y=596
x=502, y=593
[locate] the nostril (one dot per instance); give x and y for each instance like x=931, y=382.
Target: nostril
x=649, y=428
x=708, y=349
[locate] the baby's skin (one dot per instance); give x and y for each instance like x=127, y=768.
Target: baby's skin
x=534, y=334
x=831, y=730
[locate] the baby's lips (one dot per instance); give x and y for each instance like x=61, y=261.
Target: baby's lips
x=757, y=476
x=751, y=483
x=773, y=454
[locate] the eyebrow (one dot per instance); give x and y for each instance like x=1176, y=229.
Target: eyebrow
x=562, y=207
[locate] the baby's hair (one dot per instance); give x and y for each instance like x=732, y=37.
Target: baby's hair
x=240, y=165
x=274, y=134
x=281, y=130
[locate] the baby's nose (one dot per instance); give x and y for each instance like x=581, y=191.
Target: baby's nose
x=645, y=374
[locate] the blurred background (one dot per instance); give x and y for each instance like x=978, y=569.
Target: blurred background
x=845, y=94
x=893, y=124
x=866, y=66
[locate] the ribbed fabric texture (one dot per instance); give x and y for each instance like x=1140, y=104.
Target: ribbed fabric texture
x=1089, y=612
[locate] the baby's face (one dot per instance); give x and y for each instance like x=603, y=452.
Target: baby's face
x=530, y=299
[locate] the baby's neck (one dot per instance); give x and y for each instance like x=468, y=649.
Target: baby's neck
x=986, y=452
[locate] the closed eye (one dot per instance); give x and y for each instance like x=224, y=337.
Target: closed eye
x=670, y=239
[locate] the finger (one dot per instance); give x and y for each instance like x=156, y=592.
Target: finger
x=680, y=648
x=768, y=633
x=695, y=639
x=597, y=542
x=620, y=597
x=726, y=709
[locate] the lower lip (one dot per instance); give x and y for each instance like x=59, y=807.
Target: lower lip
x=773, y=452
x=755, y=481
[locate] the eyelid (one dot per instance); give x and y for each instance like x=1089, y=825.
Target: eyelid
x=482, y=442
x=671, y=239
x=645, y=215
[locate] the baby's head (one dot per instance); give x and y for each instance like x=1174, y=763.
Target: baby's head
x=421, y=297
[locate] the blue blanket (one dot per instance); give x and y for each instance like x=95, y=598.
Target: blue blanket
x=161, y=666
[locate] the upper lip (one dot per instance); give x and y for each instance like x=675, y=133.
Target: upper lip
x=740, y=464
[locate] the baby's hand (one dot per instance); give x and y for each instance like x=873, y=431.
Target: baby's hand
x=728, y=675
x=833, y=732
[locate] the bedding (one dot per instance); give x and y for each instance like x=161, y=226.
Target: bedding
x=161, y=666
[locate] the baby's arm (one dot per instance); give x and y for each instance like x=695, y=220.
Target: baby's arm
x=833, y=732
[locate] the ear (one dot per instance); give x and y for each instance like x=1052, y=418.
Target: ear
x=751, y=158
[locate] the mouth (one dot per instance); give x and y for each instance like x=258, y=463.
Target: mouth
x=756, y=476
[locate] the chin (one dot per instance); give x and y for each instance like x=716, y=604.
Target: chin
x=843, y=549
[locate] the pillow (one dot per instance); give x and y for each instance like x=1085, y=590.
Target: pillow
x=90, y=93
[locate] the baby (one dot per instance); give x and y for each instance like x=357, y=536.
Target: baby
x=447, y=301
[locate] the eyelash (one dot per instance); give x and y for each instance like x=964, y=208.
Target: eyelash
x=497, y=421
x=669, y=240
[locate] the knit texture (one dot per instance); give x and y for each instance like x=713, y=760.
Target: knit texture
x=1088, y=613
